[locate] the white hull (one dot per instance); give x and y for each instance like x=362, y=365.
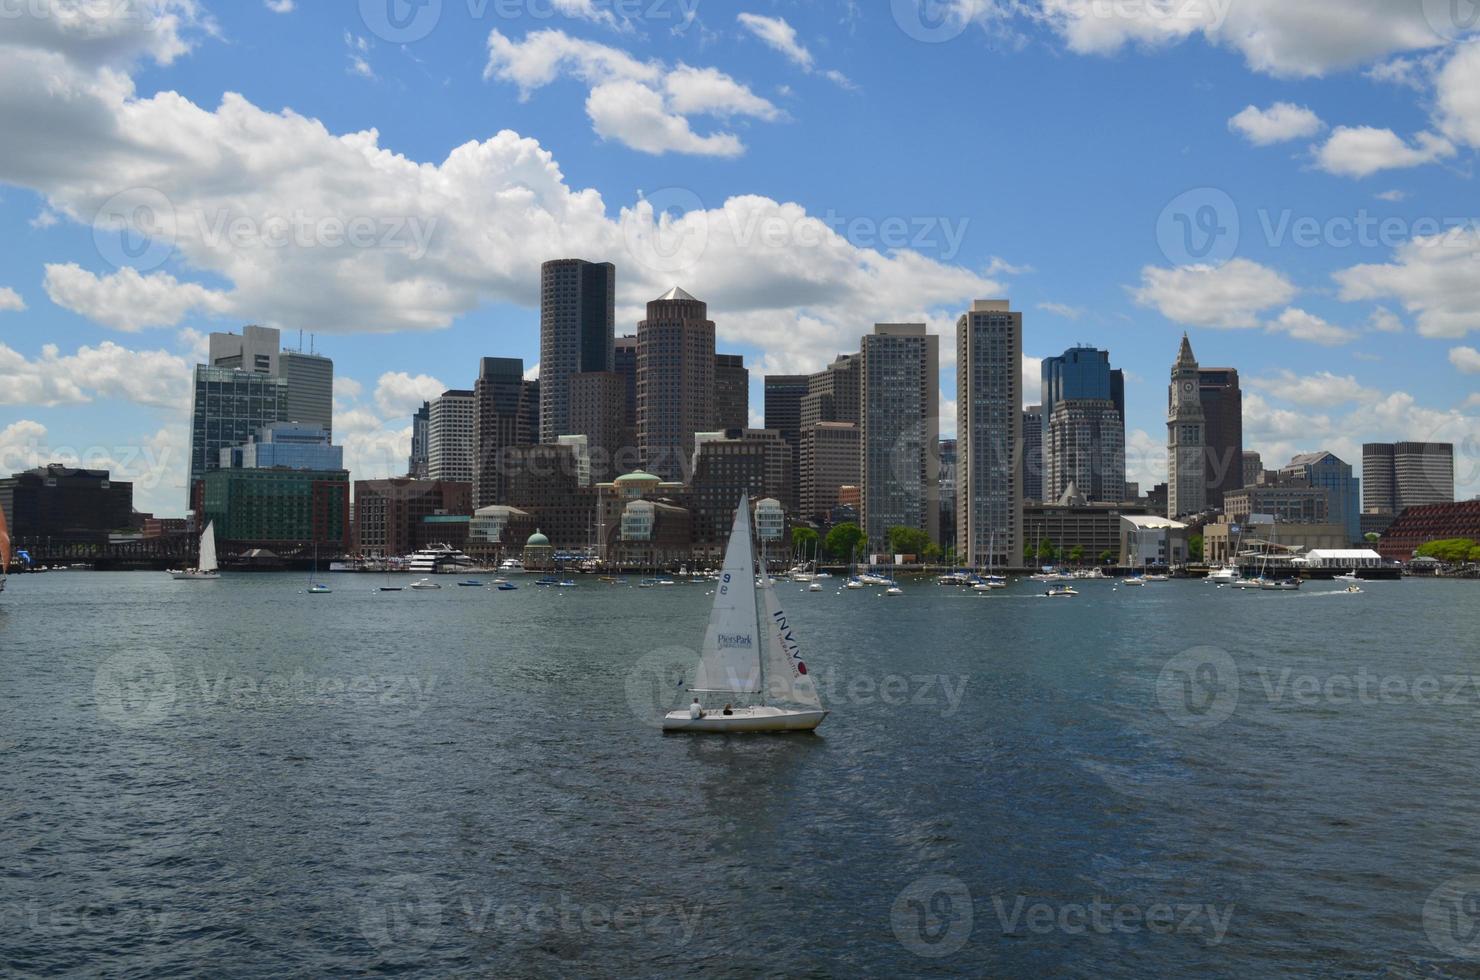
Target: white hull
x=194, y=576
x=756, y=718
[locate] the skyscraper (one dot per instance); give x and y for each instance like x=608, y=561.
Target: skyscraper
x=626, y=366
x=900, y=431
x=783, y=413
x=989, y=436
x=501, y=421
x=598, y=411
x=1253, y=467
x=1406, y=474
x=1080, y=374
x=829, y=456
x=1223, y=413
x=675, y=381
x=577, y=332
x=731, y=392
x=310, y=380
x=450, y=422
x=230, y=405
x=1186, y=435
x=1086, y=450
x=416, y=466
x=1034, y=468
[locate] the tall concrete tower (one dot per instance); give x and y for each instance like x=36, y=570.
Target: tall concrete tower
x=1187, y=489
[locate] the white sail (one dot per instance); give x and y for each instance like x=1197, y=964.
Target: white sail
x=731, y=661
x=4, y=545
x=208, y=548
x=786, y=672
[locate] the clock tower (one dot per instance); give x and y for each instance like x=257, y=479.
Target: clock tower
x=1187, y=491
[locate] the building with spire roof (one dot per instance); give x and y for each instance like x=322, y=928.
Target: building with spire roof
x=675, y=381
x=1187, y=491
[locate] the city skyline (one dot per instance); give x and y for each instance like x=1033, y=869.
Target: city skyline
x=1339, y=335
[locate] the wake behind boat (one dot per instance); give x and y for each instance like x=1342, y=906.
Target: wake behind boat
x=732, y=662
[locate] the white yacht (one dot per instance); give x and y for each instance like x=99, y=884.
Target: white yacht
x=440, y=559
x=511, y=566
x=1226, y=575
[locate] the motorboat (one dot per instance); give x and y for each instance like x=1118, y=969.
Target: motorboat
x=1354, y=589
x=1157, y=578
x=1060, y=592
x=1280, y=585
x=894, y=590
x=507, y=586
x=511, y=566
x=424, y=585
x=1226, y=575
x=1133, y=581
x=471, y=583
x=815, y=587
x=440, y=559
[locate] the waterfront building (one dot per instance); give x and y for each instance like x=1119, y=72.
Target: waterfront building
x=675, y=381
x=1253, y=468
x=1080, y=372
x=577, y=334
x=946, y=480
x=1034, y=466
x=899, y=403
x=1086, y=450
x=1186, y=437
x=1325, y=469
x=229, y=405
x=288, y=445
x=626, y=367
x=504, y=412
x=783, y=414
x=394, y=517
x=989, y=420
x=1225, y=538
x=832, y=394
x=1290, y=501
x=286, y=511
x=310, y=380
x=545, y=480
x=770, y=521
x=60, y=504
x=1148, y=541
x=581, y=447
x=1074, y=523
x=731, y=392
x=450, y=422
x=1223, y=415
x=754, y=462
x=498, y=530
x=417, y=465
x=1399, y=475
x=1417, y=526
x=651, y=533
x=1376, y=522
x=830, y=452
x=1156, y=499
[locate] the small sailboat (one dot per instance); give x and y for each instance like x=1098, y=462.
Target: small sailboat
x=315, y=588
x=815, y=587
x=471, y=583
x=894, y=590
x=206, y=569
x=732, y=662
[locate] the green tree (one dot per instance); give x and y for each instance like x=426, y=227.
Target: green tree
x=908, y=540
x=1195, y=547
x=804, y=540
x=1372, y=537
x=1107, y=556
x=1076, y=555
x=843, y=540
x=1030, y=553
x=1448, y=549
x=1046, y=550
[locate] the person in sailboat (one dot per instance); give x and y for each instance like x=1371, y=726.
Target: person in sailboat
x=729, y=710
x=696, y=710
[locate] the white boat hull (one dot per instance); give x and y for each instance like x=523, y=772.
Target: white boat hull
x=756, y=718
x=191, y=576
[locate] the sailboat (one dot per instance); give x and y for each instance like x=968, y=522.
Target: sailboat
x=313, y=587
x=205, y=569
x=744, y=656
x=4, y=549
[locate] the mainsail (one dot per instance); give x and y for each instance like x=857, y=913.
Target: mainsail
x=786, y=672
x=208, y=548
x=731, y=661
x=4, y=544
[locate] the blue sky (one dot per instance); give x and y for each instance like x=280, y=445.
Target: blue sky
x=824, y=165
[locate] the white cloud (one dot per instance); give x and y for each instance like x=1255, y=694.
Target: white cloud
x=1384, y=320
x=642, y=104
x=10, y=301
x=128, y=301
x=1360, y=151
x=1466, y=359
x=1434, y=277
x=1324, y=389
x=778, y=35
x=1393, y=197
x=279, y=6
x=1231, y=295
x=1032, y=380
x=1458, y=95
x=1062, y=309
x=1280, y=123
x=1307, y=326
x=1307, y=39
x=399, y=394
x=154, y=379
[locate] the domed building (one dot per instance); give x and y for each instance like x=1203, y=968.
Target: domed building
x=538, y=553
